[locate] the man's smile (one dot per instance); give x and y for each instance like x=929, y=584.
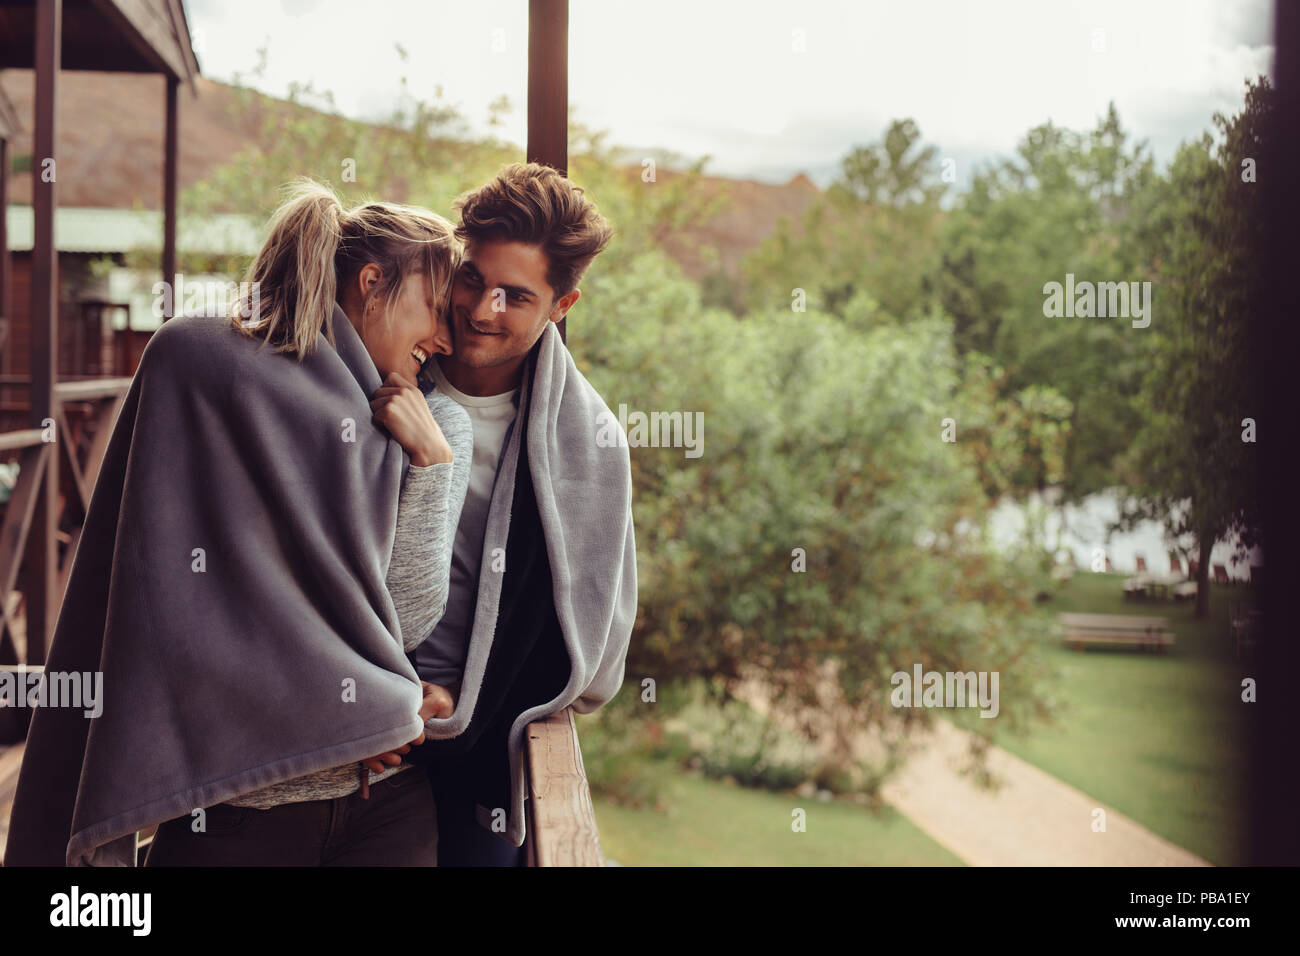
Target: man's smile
x=471, y=327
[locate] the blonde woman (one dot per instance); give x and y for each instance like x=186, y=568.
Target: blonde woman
x=270, y=534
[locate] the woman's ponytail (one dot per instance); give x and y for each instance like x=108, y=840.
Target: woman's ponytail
x=290, y=288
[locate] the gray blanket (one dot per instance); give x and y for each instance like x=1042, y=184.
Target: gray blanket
x=582, y=486
x=229, y=584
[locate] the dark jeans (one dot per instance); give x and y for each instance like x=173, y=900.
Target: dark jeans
x=462, y=840
x=396, y=826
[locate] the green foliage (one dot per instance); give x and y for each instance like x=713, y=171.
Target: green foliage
x=865, y=249
x=733, y=742
x=1018, y=442
x=1065, y=204
x=1200, y=233
x=630, y=744
x=820, y=437
x=624, y=747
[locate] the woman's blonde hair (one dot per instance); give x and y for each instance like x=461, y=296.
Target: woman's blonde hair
x=315, y=246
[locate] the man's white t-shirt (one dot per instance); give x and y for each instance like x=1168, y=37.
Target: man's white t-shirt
x=441, y=658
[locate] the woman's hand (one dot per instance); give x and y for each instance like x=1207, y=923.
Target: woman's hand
x=400, y=407
x=437, y=702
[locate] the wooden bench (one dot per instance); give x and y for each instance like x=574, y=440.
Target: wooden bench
x=1141, y=631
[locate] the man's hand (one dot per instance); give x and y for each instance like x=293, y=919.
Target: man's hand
x=437, y=702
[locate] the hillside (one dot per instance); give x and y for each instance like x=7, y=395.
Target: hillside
x=110, y=155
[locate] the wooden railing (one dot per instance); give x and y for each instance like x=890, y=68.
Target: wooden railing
x=84, y=413
x=561, y=824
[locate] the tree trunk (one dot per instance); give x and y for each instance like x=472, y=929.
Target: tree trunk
x=1203, y=576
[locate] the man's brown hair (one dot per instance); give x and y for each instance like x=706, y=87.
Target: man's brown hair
x=529, y=202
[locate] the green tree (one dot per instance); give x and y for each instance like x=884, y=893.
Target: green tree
x=1063, y=205
x=818, y=437
x=1191, y=466
x=864, y=250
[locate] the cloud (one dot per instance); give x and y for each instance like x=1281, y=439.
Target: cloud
x=735, y=83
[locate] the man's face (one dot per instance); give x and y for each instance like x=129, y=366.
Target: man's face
x=500, y=303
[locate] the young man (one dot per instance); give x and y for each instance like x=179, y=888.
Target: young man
x=543, y=580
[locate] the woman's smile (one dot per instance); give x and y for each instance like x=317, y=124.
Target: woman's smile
x=420, y=356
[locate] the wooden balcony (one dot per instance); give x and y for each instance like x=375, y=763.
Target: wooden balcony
x=561, y=822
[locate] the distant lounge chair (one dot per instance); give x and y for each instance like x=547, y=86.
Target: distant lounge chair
x=1143, y=584
x=1242, y=625
x=1153, y=585
x=1185, y=591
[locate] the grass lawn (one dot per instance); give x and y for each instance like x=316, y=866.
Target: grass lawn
x=718, y=824
x=1158, y=737
x=1161, y=738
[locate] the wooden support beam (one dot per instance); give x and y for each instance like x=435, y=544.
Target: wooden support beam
x=68, y=441
x=42, y=546
x=24, y=438
x=171, y=160
x=6, y=286
x=104, y=424
x=65, y=569
x=548, y=88
x=92, y=388
x=19, y=511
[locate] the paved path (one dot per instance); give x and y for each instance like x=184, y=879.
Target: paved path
x=1033, y=819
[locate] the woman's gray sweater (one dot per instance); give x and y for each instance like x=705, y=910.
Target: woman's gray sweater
x=428, y=511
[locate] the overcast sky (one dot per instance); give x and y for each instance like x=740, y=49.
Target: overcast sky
x=729, y=80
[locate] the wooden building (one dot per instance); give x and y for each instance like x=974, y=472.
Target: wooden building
x=67, y=420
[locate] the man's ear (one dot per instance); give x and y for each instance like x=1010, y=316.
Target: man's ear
x=564, y=305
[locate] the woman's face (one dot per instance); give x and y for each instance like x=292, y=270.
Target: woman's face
x=414, y=332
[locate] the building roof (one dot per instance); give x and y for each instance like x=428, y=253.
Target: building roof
x=79, y=229
x=134, y=36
